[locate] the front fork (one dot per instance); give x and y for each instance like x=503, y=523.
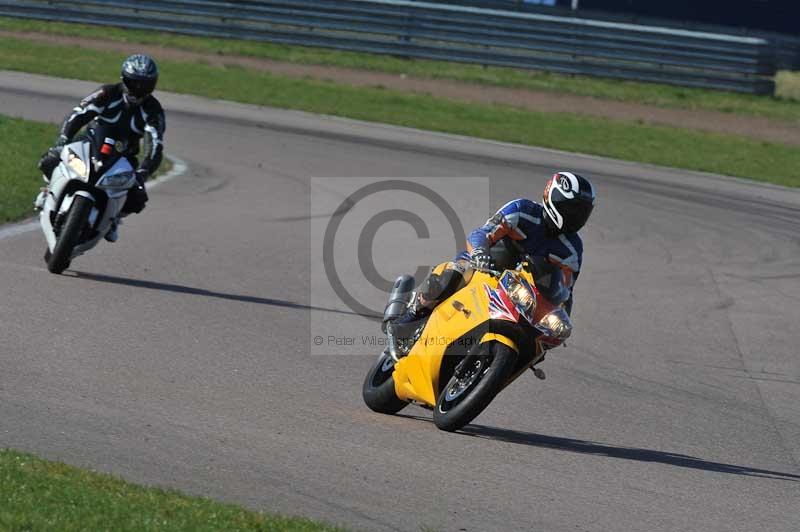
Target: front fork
x=65, y=206
x=52, y=226
x=475, y=352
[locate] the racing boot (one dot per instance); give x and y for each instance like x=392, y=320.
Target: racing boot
x=412, y=319
x=112, y=235
x=38, y=203
x=415, y=312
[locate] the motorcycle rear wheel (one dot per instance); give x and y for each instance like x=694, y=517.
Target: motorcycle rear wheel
x=59, y=259
x=467, y=394
x=378, y=390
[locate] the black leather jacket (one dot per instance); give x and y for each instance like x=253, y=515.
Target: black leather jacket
x=108, y=111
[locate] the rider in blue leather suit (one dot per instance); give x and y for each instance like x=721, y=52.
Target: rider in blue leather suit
x=548, y=232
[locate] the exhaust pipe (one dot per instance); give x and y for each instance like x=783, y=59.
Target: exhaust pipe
x=402, y=290
x=399, y=297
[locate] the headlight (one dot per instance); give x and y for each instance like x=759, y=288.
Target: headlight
x=78, y=166
x=522, y=297
x=556, y=325
x=520, y=293
x=120, y=180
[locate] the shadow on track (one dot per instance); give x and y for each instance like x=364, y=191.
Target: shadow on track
x=181, y=289
x=612, y=451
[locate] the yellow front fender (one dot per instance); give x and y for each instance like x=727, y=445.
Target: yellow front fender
x=505, y=340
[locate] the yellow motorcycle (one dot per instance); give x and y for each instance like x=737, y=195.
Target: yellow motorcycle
x=474, y=344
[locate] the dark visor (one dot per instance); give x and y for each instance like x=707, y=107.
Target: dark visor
x=140, y=87
x=575, y=215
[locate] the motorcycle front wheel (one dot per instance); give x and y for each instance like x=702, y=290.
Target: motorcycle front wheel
x=70, y=234
x=470, y=390
x=378, y=390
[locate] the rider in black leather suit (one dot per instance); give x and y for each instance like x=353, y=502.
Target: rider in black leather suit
x=127, y=112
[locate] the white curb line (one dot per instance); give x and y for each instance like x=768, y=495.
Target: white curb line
x=178, y=168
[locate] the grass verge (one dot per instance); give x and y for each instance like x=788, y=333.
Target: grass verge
x=661, y=145
x=22, y=145
x=786, y=106
x=40, y=495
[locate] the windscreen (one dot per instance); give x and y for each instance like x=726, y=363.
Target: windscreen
x=505, y=254
x=549, y=280
x=107, y=148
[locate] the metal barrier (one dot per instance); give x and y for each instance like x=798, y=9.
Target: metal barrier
x=786, y=44
x=446, y=32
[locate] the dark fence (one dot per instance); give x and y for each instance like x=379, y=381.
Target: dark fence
x=770, y=15
x=447, y=32
x=776, y=21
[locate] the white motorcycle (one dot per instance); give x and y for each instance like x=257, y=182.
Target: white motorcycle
x=84, y=197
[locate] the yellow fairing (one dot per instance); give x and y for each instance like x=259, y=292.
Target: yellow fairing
x=416, y=376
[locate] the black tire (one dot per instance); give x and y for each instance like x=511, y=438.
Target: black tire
x=378, y=390
x=70, y=234
x=493, y=366
x=47, y=256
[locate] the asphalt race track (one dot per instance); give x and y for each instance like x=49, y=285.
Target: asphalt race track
x=182, y=355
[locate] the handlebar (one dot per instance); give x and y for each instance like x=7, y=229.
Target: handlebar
x=493, y=273
x=496, y=273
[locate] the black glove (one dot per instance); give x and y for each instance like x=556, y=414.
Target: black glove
x=141, y=176
x=50, y=160
x=55, y=151
x=481, y=259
